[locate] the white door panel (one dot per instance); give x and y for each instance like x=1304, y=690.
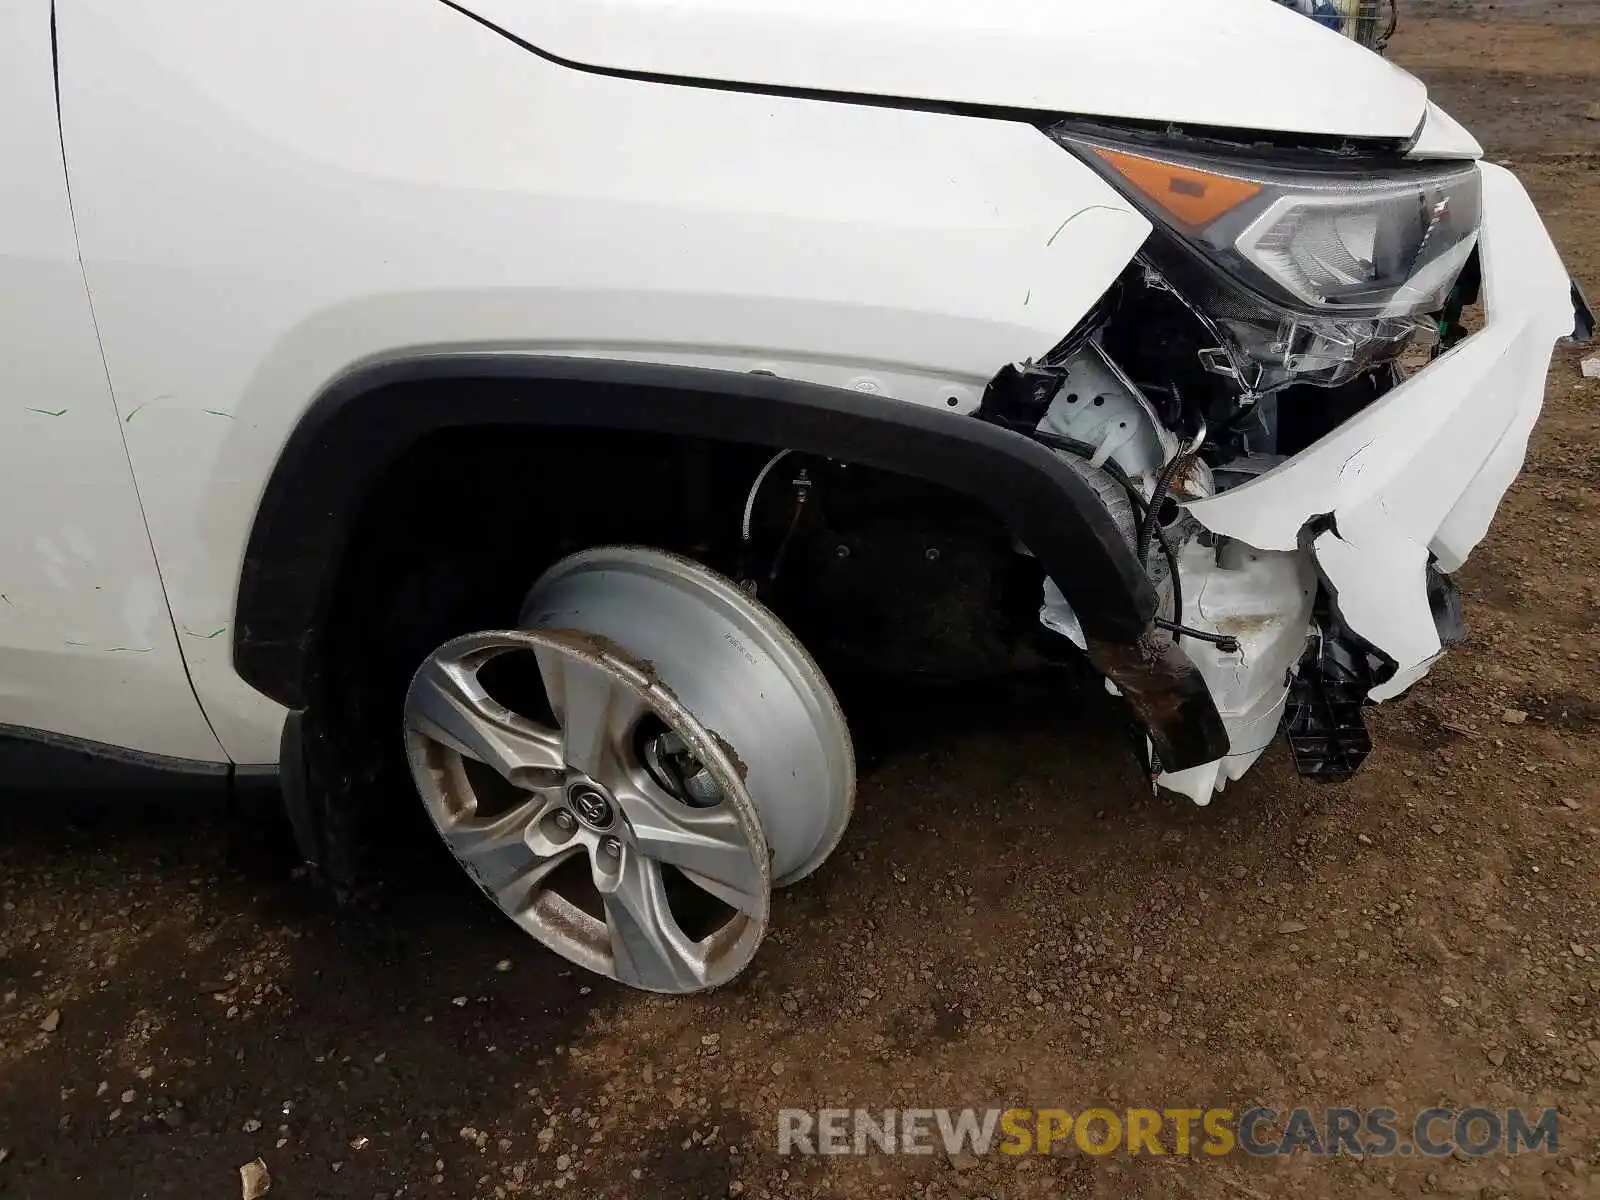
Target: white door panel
x=86, y=641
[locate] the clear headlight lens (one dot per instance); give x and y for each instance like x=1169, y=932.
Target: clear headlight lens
x=1317, y=272
x=1390, y=248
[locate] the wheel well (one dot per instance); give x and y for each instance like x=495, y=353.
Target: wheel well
x=419, y=498
x=352, y=438
x=459, y=526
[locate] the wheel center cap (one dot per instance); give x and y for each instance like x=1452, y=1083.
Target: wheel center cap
x=592, y=806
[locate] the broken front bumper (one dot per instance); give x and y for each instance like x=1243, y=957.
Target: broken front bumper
x=1413, y=479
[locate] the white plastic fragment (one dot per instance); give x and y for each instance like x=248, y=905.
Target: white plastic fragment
x=1058, y=616
x=1591, y=367
x=254, y=1181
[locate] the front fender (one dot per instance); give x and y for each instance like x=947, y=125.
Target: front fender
x=418, y=184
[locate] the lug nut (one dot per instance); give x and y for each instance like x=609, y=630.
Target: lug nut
x=565, y=821
x=611, y=848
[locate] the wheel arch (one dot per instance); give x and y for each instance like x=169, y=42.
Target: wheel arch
x=348, y=437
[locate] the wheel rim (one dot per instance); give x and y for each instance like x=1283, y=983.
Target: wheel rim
x=738, y=668
x=562, y=823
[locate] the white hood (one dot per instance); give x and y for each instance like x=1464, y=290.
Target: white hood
x=1249, y=64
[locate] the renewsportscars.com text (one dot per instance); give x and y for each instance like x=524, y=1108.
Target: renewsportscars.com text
x=1364, y=1132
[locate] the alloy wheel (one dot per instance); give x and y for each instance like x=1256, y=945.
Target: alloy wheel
x=563, y=824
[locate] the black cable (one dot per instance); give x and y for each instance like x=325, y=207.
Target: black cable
x=1178, y=628
x=1158, y=494
x=1158, y=497
x=1222, y=641
x=783, y=546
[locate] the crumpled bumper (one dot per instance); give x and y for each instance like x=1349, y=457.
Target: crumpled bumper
x=1416, y=476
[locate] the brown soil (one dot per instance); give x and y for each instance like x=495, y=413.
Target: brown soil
x=1011, y=919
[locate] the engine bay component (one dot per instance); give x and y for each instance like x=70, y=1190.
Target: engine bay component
x=1242, y=617
x=1264, y=602
x=1097, y=405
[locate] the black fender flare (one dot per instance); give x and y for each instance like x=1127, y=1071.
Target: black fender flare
x=358, y=426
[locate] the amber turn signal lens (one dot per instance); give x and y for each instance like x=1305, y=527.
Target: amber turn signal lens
x=1193, y=197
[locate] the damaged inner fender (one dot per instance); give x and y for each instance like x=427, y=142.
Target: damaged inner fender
x=1298, y=525
x=1237, y=619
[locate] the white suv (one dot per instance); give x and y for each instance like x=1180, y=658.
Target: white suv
x=496, y=395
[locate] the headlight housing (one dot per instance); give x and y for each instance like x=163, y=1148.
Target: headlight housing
x=1312, y=273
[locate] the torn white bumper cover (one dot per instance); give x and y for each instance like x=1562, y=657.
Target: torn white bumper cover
x=1414, y=478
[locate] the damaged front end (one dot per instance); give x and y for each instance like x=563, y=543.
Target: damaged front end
x=1280, y=406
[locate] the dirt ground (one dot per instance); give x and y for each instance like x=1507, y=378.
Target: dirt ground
x=1012, y=919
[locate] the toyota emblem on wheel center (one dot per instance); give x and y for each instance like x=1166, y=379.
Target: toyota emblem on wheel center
x=592, y=807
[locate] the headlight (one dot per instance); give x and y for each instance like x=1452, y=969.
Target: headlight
x=1329, y=266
